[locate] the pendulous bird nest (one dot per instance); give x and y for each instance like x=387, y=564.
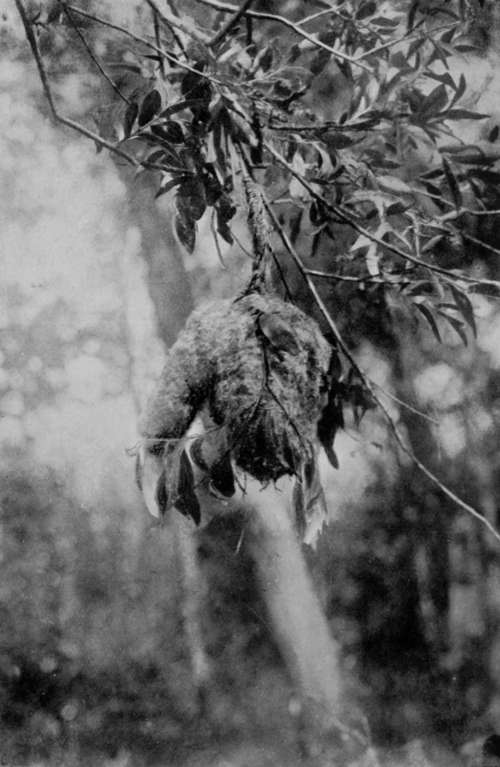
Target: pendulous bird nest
x=259, y=367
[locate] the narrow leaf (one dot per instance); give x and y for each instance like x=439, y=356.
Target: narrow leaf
x=168, y=185
x=150, y=107
x=185, y=229
x=393, y=184
x=465, y=308
x=464, y=114
x=452, y=183
x=129, y=118
x=493, y=134
x=187, y=501
x=436, y=100
x=426, y=312
x=457, y=326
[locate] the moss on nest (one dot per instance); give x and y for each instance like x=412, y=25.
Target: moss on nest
x=259, y=365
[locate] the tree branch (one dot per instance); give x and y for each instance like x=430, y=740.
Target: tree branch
x=48, y=93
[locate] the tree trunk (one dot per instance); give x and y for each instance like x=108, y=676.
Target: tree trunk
x=299, y=625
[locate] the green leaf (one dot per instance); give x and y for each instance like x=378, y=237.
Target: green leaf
x=366, y=9
x=383, y=21
x=412, y=14
x=187, y=501
x=465, y=308
x=150, y=107
x=264, y=59
x=452, y=183
x=155, y=156
x=185, y=229
x=436, y=100
x=129, y=118
x=486, y=288
x=457, y=326
x=166, y=186
x=467, y=48
x=191, y=199
x=464, y=114
x=493, y=134
x=195, y=86
x=444, y=78
x=428, y=315
x=393, y=184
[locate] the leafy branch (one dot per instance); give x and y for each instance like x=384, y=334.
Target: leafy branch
x=369, y=384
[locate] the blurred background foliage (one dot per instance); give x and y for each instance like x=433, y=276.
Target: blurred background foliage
x=93, y=663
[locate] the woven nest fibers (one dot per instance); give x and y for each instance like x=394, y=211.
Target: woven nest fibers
x=259, y=367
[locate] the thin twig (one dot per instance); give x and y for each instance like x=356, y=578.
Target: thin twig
x=475, y=240
x=342, y=277
x=317, y=15
x=367, y=381
x=148, y=43
x=229, y=8
x=170, y=20
x=404, y=38
x=479, y=212
x=406, y=405
x=91, y=53
x=156, y=28
x=226, y=28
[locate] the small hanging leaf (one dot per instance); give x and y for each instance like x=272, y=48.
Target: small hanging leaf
x=222, y=477
x=427, y=313
x=393, y=184
x=493, y=134
x=198, y=89
x=465, y=308
x=213, y=188
x=166, y=186
x=436, y=100
x=161, y=496
x=223, y=229
x=366, y=9
x=129, y=118
x=185, y=229
x=191, y=200
x=150, y=107
x=412, y=14
x=457, y=326
x=264, y=59
x=187, y=501
x=384, y=21
x=444, y=78
x=464, y=114
x=452, y=183
x=170, y=131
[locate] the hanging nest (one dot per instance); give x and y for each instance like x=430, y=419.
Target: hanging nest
x=260, y=369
